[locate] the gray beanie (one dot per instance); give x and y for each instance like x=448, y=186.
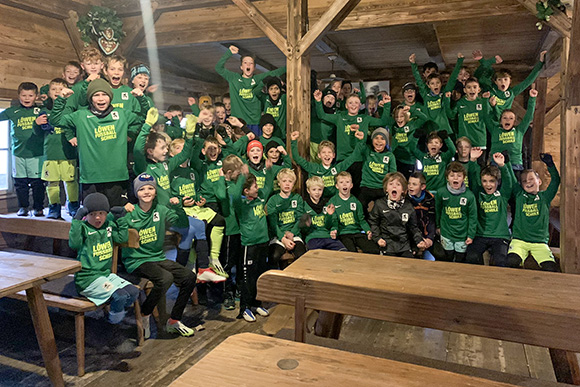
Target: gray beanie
x=96, y=202
x=143, y=180
x=381, y=132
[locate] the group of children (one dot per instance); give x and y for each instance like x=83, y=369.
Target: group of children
x=416, y=181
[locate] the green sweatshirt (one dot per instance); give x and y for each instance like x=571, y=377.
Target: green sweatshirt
x=345, y=139
x=401, y=141
x=492, y=208
x=245, y=103
x=264, y=141
x=284, y=214
x=251, y=216
x=79, y=98
x=512, y=140
x=434, y=167
x=266, y=178
x=349, y=215
x=341, y=103
x=100, y=140
x=161, y=171
x=327, y=174
x=505, y=99
x=232, y=226
x=532, y=219
x=319, y=129
x=56, y=147
x=25, y=143
x=456, y=215
x=321, y=224
x=376, y=166
x=435, y=104
x=472, y=119
x=151, y=226
x=278, y=111
x=95, y=248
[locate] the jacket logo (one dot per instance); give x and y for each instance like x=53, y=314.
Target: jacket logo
x=115, y=115
x=463, y=201
x=109, y=231
x=359, y=120
x=156, y=216
x=125, y=95
x=353, y=206
x=406, y=129
x=333, y=171
x=386, y=159
x=507, y=94
x=36, y=110
x=405, y=218
x=294, y=203
x=479, y=106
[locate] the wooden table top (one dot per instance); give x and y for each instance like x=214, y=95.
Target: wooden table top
x=20, y=271
x=249, y=359
x=496, y=302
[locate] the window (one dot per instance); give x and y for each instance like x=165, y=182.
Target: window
x=5, y=159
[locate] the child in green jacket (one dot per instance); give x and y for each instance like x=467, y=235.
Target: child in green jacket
x=93, y=232
x=434, y=161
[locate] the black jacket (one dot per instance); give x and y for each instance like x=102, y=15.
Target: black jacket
x=425, y=211
x=398, y=227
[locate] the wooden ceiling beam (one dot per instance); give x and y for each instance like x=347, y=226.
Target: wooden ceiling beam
x=258, y=18
x=327, y=46
x=558, y=21
x=54, y=9
x=70, y=24
x=136, y=31
x=128, y=8
x=432, y=44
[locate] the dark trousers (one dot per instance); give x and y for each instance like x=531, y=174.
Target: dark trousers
x=403, y=254
x=253, y=264
x=23, y=186
x=498, y=247
x=325, y=244
x=230, y=258
x=352, y=241
x=406, y=169
x=367, y=195
x=355, y=171
x=277, y=251
x=163, y=274
x=115, y=191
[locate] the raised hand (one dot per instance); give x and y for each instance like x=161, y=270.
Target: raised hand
x=317, y=95
x=152, y=116
x=476, y=153
x=533, y=93
x=493, y=100
x=487, y=94
x=152, y=88
x=460, y=55
x=498, y=59
x=477, y=55
x=92, y=77
x=543, y=56
x=330, y=209
x=191, y=101
x=412, y=58
x=137, y=92
x=41, y=120
x=66, y=92
x=294, y=135
x=281, y=149
x=360, y=135
x=499, y=159
x=234, y=50
x=547, y=159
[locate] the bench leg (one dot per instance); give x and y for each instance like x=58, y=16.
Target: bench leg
x=328, y=325
x=566, y=366
x=44, y=335
x=139, y=323
x=299, y=319
x=80, y=342
x=56, y=243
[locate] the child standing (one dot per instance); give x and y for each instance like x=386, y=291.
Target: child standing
x=434, y=160
x=93, y=239
x=267, y=126
x=424, y=203
x=150, y=219
x=92, y=65
x=456, y=213
x=406, y=120
x=275, y=105
x=353, y=230
x=393, y=220
x=533, y=217
x=26, y=149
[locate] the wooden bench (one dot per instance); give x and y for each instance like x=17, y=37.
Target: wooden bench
x=58, y=230
x=523, y=306
x=267, y=361
x=62, y=294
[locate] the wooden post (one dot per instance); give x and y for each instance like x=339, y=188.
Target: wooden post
x=539, y=118
x=70, y=24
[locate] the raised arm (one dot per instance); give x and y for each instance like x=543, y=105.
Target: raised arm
x=531, y=77
x=453, y=77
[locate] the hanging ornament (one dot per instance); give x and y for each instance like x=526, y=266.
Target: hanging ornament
x=103, y=26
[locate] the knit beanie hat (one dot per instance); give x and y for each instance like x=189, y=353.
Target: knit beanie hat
x=96, y=202
x=328, y=91
x=99, y=85
x=267, y=119
x=140, y=69
x=142, y=180
x=409, y=86
x=204, y=100
x=253, y=144
x=381, y=132
x=270, y=81
x=270, y=145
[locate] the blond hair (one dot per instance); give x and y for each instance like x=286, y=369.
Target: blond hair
x=232, y=163
x=395, y=176
x=285, y=172
x=314, y=181
x=344, y=174
x=327, y=144
x=89, y=53
x=174, y=144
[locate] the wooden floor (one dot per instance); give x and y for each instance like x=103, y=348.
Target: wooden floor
x=112, y=358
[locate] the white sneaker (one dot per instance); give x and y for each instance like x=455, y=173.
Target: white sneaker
x=179, y=328
x=248, y=315
x=262, y=311
x=146, y=326
x=208, y=275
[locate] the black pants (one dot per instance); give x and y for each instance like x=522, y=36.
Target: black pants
x=277, y=251
x=498, y=247
x=403, y=254
x=163, y=274
x=252, y=265
x=230, y=258
x=454, y=256
x=352, y=241
x=23, y=186
x=367, y=195
x=115, y=191
x=406, y=169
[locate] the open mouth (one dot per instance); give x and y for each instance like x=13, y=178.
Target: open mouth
x=503, y=87
x=115, y=80
x=507, y=126
x=394, y=194
x=248, y=69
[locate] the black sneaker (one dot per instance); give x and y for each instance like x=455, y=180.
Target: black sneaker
x=22, y=211
x=38, y=213
x=229, y=301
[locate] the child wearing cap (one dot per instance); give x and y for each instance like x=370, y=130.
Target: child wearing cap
x=92, y=233
x=267, y=126
x=411, y=96
x=140, y=77
x=321, y=130
x=377, y=162
x=100, y=132
x=261, y=168
x=151, y=219
x=275, y=106
x=326, y=169
x=123, y=96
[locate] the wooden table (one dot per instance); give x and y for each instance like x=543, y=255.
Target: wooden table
x=28, y=272
x=254, y=360
x=523, y=306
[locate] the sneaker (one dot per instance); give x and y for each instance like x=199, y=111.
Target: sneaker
x=38, y=213
x=248, y=315
x=208, y=275
x=229, y=301
x=262, y=311
x=73, y=207
x=22, y=211
x=116, y=317
x=218, y=269
x=180, y=328
x=146, y=327
x=53, y=211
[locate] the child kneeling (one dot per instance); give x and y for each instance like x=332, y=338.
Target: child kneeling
x=93, y=239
